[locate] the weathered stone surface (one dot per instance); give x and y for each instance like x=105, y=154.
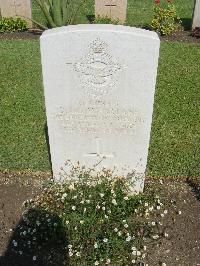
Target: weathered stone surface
x=196, y=15
x=99, y=85
x=21, y=8
x=114, y=9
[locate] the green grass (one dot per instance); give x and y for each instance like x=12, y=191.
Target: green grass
x=22, y=107
x=139, y=12
x=174, y=148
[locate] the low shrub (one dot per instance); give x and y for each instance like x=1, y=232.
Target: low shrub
x=10, y=24
x=165, y=20
x=105, y=20
x=103, y=224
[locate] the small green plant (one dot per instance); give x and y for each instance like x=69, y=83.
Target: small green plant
x=10, y=24
x=59, y=12
x=105, y=20
x=165, y=20
x=102, y=223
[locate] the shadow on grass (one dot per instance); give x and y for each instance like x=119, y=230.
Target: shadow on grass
x=47, y=142
x=186, y=23
x=35, y=241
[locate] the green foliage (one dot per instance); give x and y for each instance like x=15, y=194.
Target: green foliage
x=11, y=24
x=165, y=20
x=103, y=223
x=59, y=12
x=105, y=20
x=139, y=13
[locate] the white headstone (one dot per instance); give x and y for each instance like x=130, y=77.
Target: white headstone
x=196, y=15
x=99, y=85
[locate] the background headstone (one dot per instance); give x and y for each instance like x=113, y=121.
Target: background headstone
x=196, y=15
x=21, y=8
x=99, y=85
x=114, y=9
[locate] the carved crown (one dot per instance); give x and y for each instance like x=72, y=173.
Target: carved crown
x=98, y=46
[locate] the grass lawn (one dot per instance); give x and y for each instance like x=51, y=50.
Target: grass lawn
x=139, y=12
x=174, y=148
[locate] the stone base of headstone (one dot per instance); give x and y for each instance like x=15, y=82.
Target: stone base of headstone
x=13, y=8
x=196, y=15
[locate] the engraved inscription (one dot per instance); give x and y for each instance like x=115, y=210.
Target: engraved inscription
x=98, y=71
x=99, y=117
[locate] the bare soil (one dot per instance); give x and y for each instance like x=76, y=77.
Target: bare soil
x=180, y=36
x=181, y=248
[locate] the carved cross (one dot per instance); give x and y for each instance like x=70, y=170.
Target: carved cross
x=111, y=7
x=98, y=152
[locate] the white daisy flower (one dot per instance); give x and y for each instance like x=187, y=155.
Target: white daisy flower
x=64, y=195
x=133, y=248
x=114, y=202
x=155, y=237
x=128, y=239
x=138, y=253
x=166, y=235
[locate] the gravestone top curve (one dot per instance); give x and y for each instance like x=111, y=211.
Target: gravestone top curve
x=101, y=27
